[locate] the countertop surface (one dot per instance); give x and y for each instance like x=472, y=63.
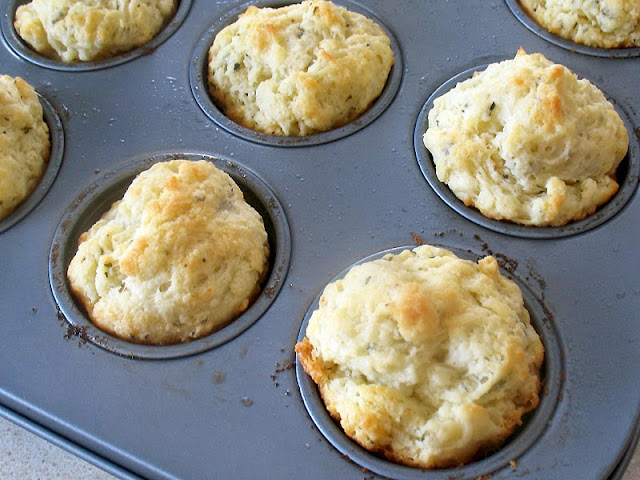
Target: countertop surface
x=25, y=456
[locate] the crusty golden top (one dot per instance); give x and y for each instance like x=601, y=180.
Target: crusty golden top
x=527, y=141
x=73, y=30
x=423, y=357
x=181, y=255
x=24, y=142
x=300, y=69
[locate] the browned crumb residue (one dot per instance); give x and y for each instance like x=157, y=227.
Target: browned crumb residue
x=505, y=262
x=281, y=367
x=76, y=331
x=416, y=238
x=513, y=464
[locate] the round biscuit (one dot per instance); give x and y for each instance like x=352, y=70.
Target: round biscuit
x=24, y=142
x=526, y=141
x=180, y=256
x=425, y=358
x=73, y=30
x=595, y=23
x=300, y=69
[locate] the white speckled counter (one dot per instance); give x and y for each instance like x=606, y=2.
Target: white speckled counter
x=25, y=456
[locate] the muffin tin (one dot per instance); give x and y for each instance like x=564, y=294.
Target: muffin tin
x=237, y=405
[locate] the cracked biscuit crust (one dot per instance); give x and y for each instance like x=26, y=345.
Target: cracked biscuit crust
x=423, y=357
x=300, y=69
x=72, y=30
x=527, y=141
x=180, y=256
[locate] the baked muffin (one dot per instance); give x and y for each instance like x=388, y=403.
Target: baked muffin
x=595, y=23
x=76, y=30
x=526, y=141
x=24, y=142
x=424, y=358
x=180, y=256
x=298, y=70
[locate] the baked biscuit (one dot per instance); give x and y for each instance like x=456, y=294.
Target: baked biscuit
x=424, y=358
x=74, y=30
x=298, y=70
x=595, y=23
x=526, y=141
x=180, y=256
x=24, y=142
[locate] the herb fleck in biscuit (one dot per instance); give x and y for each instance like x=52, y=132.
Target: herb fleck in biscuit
x=24, y=142
x=424, y=358
x=300, y=69
x=73, y=30
x=527, y=141
x=596, y=23
x=180, y=256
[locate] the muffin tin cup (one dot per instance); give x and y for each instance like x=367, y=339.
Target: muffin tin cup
x=97, y=198
x=531, y=24
x=198, y=77
x=23, y=50
x=519, y=443
x=628, y=174
x=56, y=137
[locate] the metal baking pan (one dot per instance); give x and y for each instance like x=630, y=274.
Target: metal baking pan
x=236, y=405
